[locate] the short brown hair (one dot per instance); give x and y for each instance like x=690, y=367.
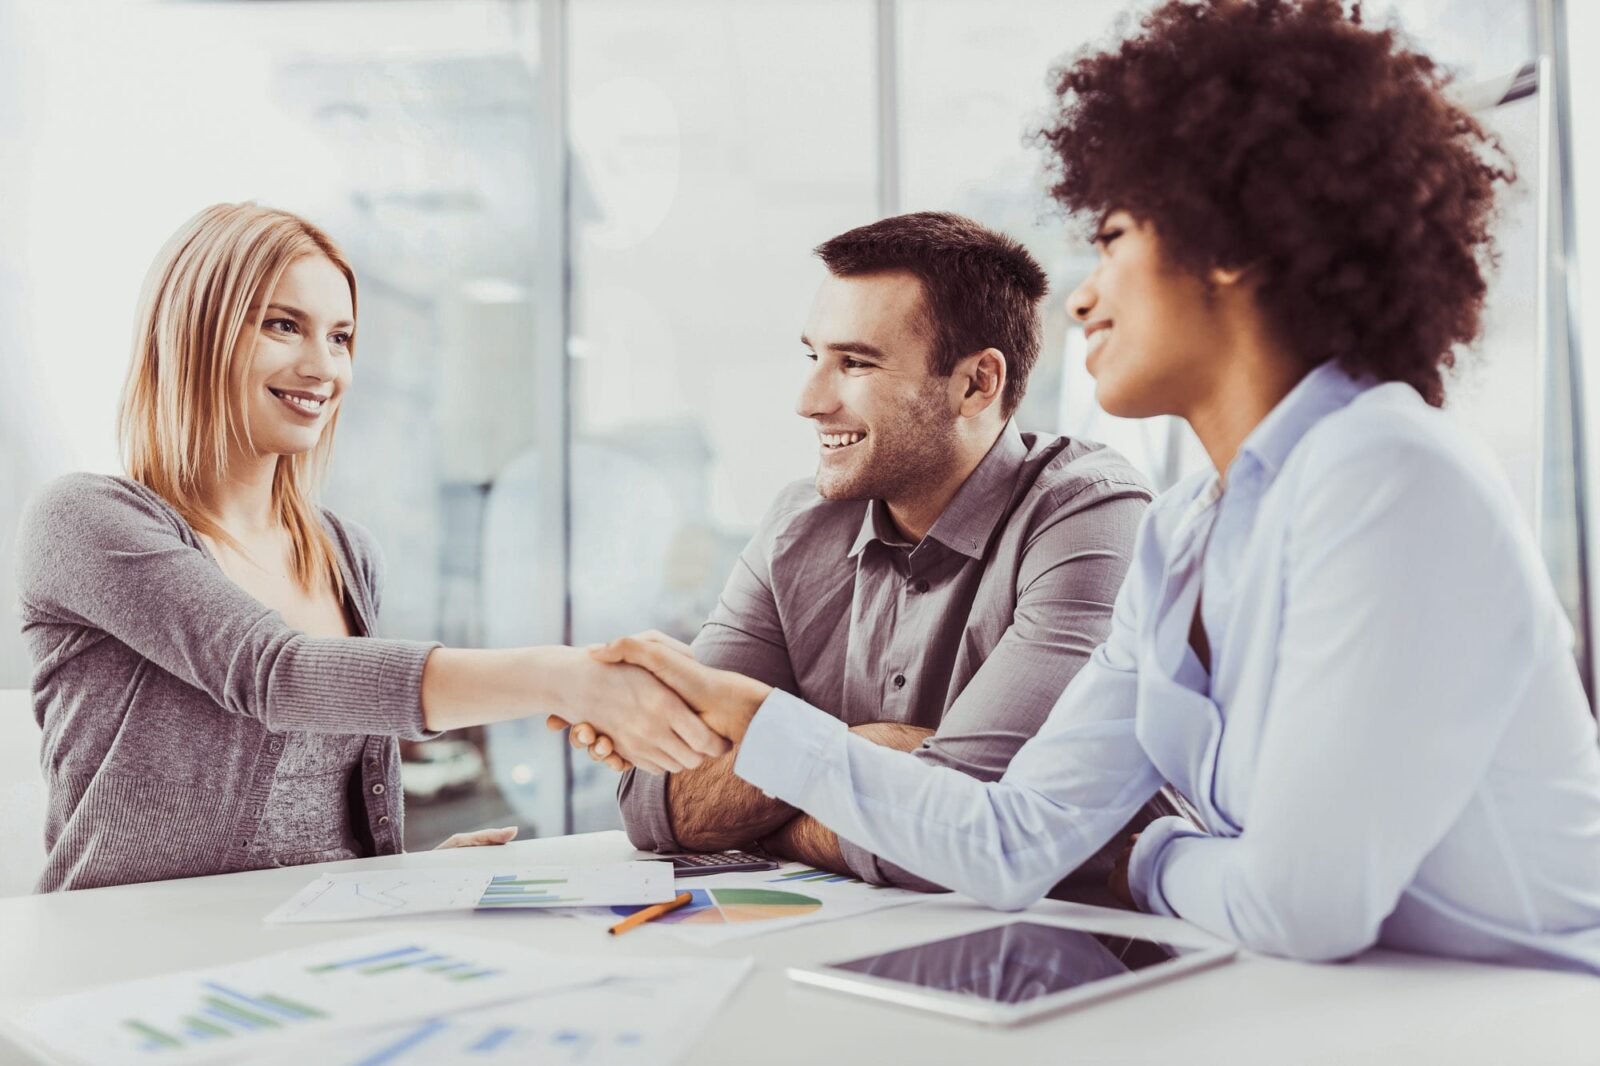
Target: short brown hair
x=980, y=289
x=1284, y=135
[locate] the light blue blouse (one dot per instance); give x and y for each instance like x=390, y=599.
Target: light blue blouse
x=1391, y=745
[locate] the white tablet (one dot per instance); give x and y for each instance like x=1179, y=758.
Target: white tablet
x=1014, y=972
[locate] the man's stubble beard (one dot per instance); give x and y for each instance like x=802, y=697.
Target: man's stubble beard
x=912, y=454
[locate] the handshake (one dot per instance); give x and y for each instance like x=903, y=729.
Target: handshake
x=644, y=701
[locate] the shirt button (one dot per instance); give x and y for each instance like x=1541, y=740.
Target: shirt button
x=899, y=680
x=919, y=585
x=383, y=820
x=276, y=745
x=377, y=790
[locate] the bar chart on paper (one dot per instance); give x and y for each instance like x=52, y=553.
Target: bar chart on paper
x=410, y=957
x=252, y=1008
x=220, y=1013
x=358, y=896
x=648, y=1017
x=510, y=891
x=810, y=873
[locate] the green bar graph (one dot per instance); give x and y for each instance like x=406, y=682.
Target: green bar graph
x=233, y=1010
x=207, y=1027
x=293, y=1007
x=152, y=1034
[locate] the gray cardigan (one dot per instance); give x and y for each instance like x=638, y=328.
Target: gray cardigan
x=164, y=689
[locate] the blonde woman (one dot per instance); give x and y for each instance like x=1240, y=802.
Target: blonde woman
x=210, y=694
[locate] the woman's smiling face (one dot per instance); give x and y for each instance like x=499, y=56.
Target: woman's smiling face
x=295, y=368
x=1152, y=327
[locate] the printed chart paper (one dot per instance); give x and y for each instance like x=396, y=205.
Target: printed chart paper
x=735, y=905
x=302, y=995
x=652, y=1015
x=351, y=897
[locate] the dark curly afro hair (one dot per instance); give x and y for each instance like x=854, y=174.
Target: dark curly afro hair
x=1286, y=138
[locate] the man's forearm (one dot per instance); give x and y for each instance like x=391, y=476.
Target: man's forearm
x=712, y=810
x=804, y=839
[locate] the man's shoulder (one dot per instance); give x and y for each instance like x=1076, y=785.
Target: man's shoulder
x=1073, y=472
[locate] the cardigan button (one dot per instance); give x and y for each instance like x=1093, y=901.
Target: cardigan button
x=377, y=790
x=383, y=819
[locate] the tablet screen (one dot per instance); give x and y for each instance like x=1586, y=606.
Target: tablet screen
x=1015, y=963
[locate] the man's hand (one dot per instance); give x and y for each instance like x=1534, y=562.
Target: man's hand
x=585, y=737
x=648, y=724
x=724, y=700
x=480, y=838
x=1117, y=881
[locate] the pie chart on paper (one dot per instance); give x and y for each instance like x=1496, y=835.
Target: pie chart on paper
x=721, y=906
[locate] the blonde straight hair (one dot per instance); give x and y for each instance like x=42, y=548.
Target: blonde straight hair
x=180, y=417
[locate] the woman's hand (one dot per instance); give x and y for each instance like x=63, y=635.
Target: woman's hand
x=586, y=738
x=724, y=700
x=648, y=724
x=480, y=838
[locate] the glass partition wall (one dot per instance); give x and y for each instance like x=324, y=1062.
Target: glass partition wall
x=583, y=233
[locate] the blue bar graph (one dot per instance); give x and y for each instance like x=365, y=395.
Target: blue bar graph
x=422, y=1033
x=493, y=1039
x=386, y=956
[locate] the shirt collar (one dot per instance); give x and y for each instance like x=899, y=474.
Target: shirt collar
x=967, y=522
x=1320, y=393
x=877, y=525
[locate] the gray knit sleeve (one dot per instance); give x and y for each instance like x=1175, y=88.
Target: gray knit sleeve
x=104, y=554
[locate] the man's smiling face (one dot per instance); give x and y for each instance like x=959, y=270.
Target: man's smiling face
x=885, y=425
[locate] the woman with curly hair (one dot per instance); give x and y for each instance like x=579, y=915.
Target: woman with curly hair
x=1340, y=644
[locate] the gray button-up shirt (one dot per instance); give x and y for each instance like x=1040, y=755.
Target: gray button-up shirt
x=973, y=632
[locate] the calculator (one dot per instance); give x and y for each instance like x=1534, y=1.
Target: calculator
x=721, y=862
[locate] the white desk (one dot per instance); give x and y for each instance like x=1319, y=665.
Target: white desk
x=1383, y=1008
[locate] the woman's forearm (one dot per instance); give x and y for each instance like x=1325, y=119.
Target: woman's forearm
x=469, y=686
x=650, y=724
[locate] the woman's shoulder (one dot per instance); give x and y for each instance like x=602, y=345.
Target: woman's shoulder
x=1388, y=448
x=1391, y=429
x=82, y=503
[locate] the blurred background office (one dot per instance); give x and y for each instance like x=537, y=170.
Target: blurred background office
x=582, y=231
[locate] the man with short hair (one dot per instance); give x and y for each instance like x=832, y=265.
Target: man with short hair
x=945, y=575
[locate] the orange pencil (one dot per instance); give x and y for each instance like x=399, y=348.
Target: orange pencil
x=638, y=918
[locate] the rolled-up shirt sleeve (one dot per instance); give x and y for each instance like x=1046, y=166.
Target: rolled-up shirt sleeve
x=1407, y=642
x=744, y=634
x=1067, y=586
x=1005, y=843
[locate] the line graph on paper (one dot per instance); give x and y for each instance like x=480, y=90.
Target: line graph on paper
x=382, y=894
